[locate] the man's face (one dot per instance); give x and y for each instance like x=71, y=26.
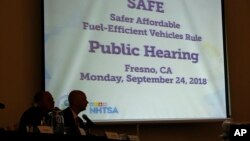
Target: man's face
x=83, y=102
x=47, y=102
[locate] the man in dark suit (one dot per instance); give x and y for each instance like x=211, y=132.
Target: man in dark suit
x=38, y=113
x=77, y=103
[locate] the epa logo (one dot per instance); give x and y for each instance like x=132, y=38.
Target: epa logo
x=240, y=132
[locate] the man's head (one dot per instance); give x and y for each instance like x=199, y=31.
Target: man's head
x=77, y=101
x=44, y=100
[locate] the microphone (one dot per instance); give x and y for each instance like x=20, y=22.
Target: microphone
x=2, y=106
x=89, y=122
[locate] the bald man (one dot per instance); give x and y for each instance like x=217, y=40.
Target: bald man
x=77, y=103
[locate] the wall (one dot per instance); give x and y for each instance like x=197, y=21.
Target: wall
x=238, y=30
x=21, y=57
x=21, y=71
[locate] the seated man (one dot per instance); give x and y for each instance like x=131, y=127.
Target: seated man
x=77, y=103
x=38, y=113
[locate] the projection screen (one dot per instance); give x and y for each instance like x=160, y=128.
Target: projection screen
x=138, y=60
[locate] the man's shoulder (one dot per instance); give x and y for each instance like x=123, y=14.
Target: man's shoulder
x=67, y=111
x=32, y=110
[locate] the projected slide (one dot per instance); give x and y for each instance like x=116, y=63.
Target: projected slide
x=137, y=60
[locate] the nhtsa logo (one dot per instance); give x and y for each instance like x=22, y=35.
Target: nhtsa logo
x=101, y=108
